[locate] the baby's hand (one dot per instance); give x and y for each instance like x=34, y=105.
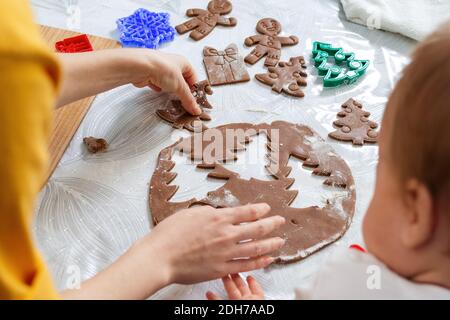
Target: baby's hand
x=237, y=289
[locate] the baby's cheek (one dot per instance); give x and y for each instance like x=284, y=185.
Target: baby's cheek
x=377, y=216
x=380, y=226
x=370, y=226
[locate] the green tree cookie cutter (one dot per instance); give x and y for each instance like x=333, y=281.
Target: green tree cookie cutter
x=335, y=75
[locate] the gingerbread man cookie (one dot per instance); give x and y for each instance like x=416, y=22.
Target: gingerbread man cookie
x=204, y=21
x=268, y=42
x=180, y=118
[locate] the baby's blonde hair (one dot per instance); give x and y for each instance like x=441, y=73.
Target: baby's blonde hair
x=419, y=112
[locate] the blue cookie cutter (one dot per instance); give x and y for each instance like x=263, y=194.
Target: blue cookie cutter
x=335, y=75
x=145, y=29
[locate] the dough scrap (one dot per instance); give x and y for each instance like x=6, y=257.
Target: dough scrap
x=95, y=145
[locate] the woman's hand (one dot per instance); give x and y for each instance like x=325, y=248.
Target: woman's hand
x=169, y=73
x=193, y=245
x=203, y=243
x=89, y=73
x=237, y=289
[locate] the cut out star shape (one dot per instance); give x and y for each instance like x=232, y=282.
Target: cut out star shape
x=288, y=77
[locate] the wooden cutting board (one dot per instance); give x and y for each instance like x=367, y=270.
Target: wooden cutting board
x=67, y=119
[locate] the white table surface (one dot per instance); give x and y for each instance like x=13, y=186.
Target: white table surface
x=95, y=206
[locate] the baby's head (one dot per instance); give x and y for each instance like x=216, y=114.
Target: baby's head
x=407, y=225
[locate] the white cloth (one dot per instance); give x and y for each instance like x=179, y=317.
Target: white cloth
x=414, y=19
x=351, y=274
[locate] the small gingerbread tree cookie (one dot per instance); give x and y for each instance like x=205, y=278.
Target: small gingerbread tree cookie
x=268, y=42
x=354, y=125
x=204, y=21
x=288, y=77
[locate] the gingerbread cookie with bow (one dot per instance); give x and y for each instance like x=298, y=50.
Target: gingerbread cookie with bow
x=204, y=21
x=268, y=42
x=224, y=67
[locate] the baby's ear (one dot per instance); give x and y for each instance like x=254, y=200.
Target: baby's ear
x=421, y=218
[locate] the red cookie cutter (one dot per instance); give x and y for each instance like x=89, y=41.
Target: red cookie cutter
x=79, y=43
x=357, y=247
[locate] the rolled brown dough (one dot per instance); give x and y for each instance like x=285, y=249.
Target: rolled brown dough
x=307, y=230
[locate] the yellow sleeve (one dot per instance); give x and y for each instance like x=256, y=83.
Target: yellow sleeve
x=28, y=82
